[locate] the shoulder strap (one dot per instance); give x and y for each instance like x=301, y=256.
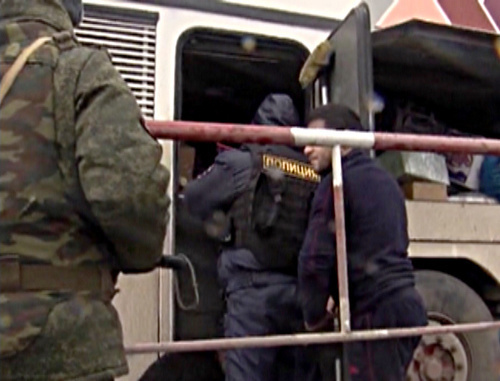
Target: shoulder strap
x=255, y=152
x=11, y=74
x=65, y=40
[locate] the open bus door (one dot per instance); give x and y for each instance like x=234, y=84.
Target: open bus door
x=346, y=77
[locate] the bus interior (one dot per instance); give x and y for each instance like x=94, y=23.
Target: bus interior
x=221, y=77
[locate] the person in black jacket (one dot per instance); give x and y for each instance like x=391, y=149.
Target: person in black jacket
x=381, y=281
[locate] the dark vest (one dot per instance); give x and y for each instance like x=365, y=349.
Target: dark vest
x=270, y=217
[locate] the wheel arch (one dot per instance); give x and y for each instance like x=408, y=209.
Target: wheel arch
x=477, y=277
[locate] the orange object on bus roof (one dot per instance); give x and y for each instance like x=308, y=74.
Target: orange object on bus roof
x=483, y=15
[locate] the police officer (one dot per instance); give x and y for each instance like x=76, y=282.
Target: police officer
x=264, y=193
x=381, y=281
x=82, y=197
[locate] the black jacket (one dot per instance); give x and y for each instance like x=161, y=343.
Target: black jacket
x=376, y=237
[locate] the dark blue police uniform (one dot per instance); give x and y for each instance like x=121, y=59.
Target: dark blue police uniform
x=260, y=287
x=259, y=302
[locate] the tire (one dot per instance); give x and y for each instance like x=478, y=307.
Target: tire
x=452, y=299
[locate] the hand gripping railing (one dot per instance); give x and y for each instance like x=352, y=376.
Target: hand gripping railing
x=236, y=133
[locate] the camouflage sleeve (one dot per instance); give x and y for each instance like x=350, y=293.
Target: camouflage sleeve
x=119, y=166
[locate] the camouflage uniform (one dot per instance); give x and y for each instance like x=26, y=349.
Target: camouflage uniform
x=82, y=193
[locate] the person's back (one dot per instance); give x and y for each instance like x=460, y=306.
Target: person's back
x=378, y=239
x=76, y=206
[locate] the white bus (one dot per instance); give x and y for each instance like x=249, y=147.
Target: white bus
x=215, y=61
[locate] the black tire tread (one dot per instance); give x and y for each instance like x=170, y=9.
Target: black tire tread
x=450, y=296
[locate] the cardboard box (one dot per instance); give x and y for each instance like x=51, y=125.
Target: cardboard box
x=425, y=191
x=408, y=166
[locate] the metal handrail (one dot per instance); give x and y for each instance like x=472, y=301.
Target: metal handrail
x=305, y=338
x=238, y=133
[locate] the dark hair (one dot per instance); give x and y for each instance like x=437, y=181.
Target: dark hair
x=336, y=117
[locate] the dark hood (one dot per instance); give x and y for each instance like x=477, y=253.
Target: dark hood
x=277, y=110
x=75, y=10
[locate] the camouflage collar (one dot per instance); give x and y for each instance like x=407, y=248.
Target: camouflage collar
x=49, y=11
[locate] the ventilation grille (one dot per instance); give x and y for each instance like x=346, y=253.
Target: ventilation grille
x=131, y=41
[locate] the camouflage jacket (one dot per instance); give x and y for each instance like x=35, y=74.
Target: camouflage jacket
x=81, y=185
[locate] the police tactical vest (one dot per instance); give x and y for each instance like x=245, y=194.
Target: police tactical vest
x=270, y=217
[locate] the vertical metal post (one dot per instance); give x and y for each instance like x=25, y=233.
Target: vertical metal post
x=166, y=310
x=341, y=363
x=338, y=200
x=342, y=322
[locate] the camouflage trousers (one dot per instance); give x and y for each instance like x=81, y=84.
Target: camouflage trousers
x=81, y=341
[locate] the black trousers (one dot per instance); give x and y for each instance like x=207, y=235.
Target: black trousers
x=379, y=360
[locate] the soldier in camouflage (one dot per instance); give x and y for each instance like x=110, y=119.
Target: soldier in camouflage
x=82, y=198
